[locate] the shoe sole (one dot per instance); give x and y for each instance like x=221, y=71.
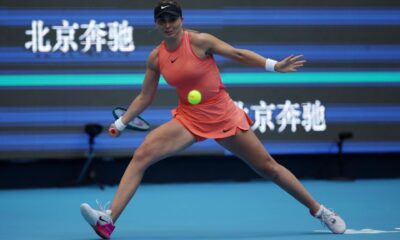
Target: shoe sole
x=99, y=233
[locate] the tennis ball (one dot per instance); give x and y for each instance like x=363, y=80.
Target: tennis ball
x=194, y=97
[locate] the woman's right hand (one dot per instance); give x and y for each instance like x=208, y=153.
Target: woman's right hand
x=113, y=131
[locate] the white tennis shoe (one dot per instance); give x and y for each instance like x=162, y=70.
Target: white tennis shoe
x=100, y=221
x=331, y=220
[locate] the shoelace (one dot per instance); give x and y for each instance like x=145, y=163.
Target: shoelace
x=104, y=208
x=326, y=215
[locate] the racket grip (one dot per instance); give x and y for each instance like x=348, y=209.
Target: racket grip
x=112, y=131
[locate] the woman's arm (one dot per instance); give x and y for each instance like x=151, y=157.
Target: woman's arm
x=213, y=45
x=146, y=95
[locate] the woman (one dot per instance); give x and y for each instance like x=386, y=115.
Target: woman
x=185, y=59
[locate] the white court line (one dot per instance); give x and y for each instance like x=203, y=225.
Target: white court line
x=363, y=231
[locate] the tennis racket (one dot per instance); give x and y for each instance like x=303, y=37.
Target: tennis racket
x=138, y=123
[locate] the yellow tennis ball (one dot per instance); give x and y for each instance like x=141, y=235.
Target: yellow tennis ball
x=194, y=97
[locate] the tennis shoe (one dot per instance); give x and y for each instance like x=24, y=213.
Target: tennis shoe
x=331, y=220
x=99, y=220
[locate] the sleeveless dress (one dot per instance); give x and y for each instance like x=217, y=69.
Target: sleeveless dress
x=216, y=116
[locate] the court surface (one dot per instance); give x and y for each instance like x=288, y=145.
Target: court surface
x=226, y=210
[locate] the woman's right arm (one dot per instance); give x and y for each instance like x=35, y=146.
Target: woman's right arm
x=146, y=95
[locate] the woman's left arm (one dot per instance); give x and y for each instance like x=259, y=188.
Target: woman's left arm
x=213, y=45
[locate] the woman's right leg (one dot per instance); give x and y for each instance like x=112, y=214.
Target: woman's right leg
x=160, y=143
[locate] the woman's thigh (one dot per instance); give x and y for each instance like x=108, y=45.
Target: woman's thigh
x=164, y=141
x=247, y=146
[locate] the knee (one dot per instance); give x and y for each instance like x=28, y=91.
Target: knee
x=142, y=157
x=270, y=169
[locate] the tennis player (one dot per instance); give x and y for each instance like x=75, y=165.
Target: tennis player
x=186, y=60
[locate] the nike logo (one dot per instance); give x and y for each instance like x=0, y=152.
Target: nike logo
x=103, y=220
x=226, y=130
x=172, y=61
x=162, y=7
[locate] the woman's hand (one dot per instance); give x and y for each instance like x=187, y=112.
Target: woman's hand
x=290, y=64
x=113, y=131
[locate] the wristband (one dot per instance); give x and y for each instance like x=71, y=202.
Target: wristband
x=119, y=124
x=270, y=65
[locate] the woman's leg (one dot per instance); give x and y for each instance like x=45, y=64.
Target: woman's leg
x=248, y=147
x=160, y=143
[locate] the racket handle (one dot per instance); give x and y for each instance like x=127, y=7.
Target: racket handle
x=112, y=131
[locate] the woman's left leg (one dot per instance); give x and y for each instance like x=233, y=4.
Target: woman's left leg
x=248, y=147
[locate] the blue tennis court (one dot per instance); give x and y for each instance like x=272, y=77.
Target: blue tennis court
x=65, y=65
x=223, y=210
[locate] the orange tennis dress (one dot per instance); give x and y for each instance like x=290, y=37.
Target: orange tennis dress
x=216, y=116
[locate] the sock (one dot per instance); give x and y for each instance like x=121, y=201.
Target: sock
x=319, y=212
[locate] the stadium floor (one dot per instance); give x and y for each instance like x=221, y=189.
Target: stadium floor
x=223, y=210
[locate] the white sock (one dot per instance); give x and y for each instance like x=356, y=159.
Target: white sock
x=319, y=212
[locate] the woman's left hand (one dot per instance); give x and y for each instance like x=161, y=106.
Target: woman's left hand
x=290, y=64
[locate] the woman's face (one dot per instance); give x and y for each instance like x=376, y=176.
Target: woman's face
x=170, y=26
